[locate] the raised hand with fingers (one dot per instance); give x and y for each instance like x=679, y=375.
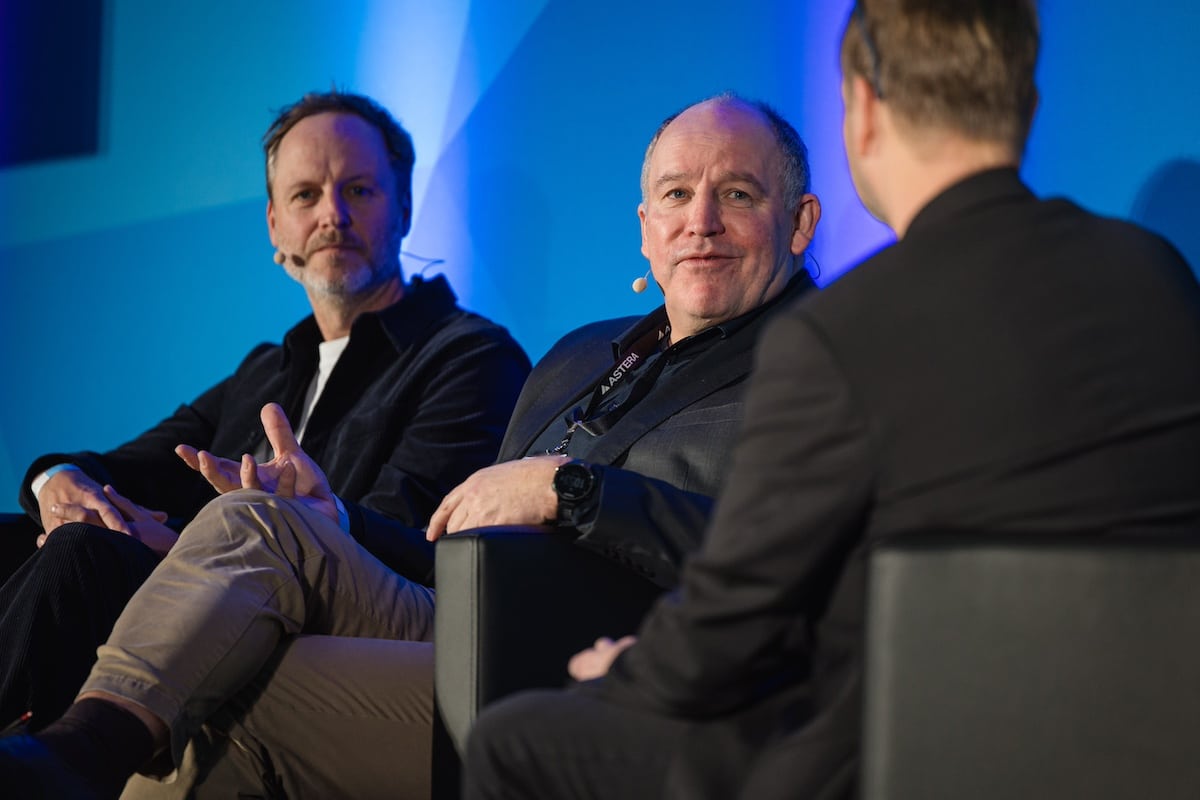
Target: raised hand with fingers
x=222, y=473
x=291, y=473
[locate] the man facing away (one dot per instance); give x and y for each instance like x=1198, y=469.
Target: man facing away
x=399, y=394
x=1010, y=364
x=295, y=664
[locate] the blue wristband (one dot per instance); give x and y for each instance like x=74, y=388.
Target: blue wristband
x=37, y=483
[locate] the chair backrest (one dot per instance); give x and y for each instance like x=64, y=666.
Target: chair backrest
x=1025, y=666
x=514, y=604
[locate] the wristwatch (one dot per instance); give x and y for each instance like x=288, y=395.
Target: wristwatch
x=574, y=483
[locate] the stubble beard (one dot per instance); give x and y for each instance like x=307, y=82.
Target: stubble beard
x=345, y=286
x=348, y=286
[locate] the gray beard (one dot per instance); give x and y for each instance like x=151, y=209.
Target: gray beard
x=348, y=288
x=344, y=287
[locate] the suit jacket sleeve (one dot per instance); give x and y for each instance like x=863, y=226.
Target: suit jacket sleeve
x=646, y=524
x=791, y=513
x=465, y=399
x=146, y=470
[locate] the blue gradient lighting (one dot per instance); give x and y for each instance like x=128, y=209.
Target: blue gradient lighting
x=847, y=232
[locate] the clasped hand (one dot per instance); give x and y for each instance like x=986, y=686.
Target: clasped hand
x=291, y=473
x=72, y=496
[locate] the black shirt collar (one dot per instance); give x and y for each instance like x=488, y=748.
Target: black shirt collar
x=798, y=285
x=405, y=323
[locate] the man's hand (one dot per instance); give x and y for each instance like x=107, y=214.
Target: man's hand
x=144, y=525
x=595, y=661
x=223, y=474
x=137, y=521
x=71, y=496
x=291, y=473
x=513, y=493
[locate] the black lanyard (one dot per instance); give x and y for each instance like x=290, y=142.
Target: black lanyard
x=597, y=424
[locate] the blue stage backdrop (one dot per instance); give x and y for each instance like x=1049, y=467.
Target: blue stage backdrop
x=134, y=276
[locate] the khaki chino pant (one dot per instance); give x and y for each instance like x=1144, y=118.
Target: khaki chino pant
x=286, y=660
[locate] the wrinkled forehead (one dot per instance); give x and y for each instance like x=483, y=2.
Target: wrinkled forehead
x=717, y=139
x=333, y=142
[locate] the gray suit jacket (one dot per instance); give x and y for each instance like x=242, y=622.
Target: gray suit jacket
x=662, y=464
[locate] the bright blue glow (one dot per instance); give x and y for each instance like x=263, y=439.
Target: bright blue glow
x=131, y=281
x=847, y=233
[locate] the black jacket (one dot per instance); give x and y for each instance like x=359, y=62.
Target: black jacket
x=1011, y=365
x=418, y=401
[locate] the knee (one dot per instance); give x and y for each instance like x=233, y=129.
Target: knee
x=74, y=540
x=87, y=557
x=237, y=509
x=239, y=500
x=241, y=518
x=502, y=736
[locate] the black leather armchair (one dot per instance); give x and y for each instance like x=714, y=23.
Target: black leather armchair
x=513, y=605
x=18, y=540
x=1032, y=667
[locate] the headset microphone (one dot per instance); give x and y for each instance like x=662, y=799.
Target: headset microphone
x=640, y=284
x=280, y=258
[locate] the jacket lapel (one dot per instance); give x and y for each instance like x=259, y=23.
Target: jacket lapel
x=726, y=362
x=549, y=409
x=577, y=370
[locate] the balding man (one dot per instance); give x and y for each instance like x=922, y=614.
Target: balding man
x=1010, y=364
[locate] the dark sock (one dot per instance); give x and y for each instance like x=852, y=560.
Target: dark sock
x=102, y=742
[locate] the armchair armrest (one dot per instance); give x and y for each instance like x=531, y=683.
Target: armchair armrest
x=513, y=604
x=18, y=541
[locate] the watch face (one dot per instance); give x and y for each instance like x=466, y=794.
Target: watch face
x=573, y=481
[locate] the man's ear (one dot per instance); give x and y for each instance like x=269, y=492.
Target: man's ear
x=405, y=216
x=807, y=215
x=862, y=109
x=641, y=212
x=271, y=222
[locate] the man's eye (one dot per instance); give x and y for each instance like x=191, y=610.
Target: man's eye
x=677, y=194
x=738, y=196
x=360, y=191
x=304, y=196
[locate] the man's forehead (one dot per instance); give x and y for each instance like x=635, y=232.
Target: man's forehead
x=335, y=135
x=720, y=115
x=721, y=153
x=719, y=175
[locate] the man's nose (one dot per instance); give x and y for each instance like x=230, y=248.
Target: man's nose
x=705, y=216
x=335, y=212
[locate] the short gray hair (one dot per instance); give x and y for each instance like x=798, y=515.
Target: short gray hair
x=797, y=180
